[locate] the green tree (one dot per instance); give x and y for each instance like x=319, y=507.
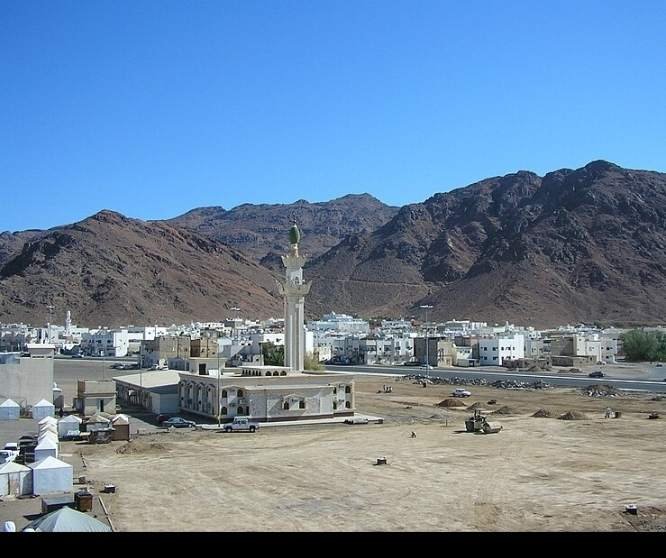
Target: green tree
x=311, y=363
x=273, y=355
x=642, y=345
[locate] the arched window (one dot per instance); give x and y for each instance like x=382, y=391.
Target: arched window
x=224, y=394
x=335, y=405
x=240, y=411
x=224, y=411
x=283, y=373
x=286, y=406
x=268, y=373
x=240, y=393
x=347, y=389
x=348, y=404
x=335, y=390
x=301, y=404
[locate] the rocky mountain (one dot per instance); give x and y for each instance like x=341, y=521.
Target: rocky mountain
x=12, y=243
x=574, y=245
x=112, y=270
x=258, y=230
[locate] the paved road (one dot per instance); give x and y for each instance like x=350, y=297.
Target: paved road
x=556, y=379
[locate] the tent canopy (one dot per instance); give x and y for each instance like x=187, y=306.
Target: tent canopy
x=71, y=418
x=48, y=420
x=12, y=467
x=50, y=463
x=43, y=403
x=67, y=520
x=10, y=403
x=47, y=443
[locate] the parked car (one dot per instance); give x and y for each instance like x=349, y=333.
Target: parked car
x=241, y=424
x=357, y=420
x=659, y=365
x=427, y=367
x=179, y=422
x=460, y=392
x=596, y=374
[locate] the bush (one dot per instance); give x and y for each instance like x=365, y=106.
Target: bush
x=644, y=345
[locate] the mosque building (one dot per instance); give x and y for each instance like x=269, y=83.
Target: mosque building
x=273, y=393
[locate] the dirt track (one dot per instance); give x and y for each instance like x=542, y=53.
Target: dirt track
x=537, y=474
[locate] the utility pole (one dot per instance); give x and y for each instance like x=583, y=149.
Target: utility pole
x=427, y=307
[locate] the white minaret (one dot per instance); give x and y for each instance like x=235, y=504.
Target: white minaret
x=294, y=290
x=68, y=324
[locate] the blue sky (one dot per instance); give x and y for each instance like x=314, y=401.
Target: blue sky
x=153, y=108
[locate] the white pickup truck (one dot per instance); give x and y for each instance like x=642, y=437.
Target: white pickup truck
x=241, y=424
x=9, y=453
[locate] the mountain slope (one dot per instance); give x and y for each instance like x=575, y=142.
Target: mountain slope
x=575, y=245
x=112, y=270
x=258, y=230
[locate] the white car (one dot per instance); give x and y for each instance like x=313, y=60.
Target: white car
x=7, y=455
x=460, y=392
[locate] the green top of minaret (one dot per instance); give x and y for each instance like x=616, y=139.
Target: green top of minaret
x=294, y=234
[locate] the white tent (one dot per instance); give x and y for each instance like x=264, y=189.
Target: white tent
x=67, y=424
x=51, y=475
x=42, y=409
x=10, y=410
x=47, y=434
x=47, y=447
x=48, y=420
x=67, y=520
x=15, y=479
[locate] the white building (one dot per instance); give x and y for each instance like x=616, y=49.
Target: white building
x=342, y=323
x=106, y=342
x=494, y=350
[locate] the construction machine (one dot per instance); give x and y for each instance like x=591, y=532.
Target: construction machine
x=479, y=423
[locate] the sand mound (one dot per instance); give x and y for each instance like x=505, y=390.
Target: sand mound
x=542, y=413
x=572, y=415
x=474, y=406
x=503, y=411
x=139, y=446
x=451, y=403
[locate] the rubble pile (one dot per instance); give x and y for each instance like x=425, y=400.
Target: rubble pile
x=572, y=415
x=457, y=381
x=600, y=390
x=542, y=413
x=451, y=403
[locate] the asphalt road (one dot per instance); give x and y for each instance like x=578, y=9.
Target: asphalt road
x=556, y=379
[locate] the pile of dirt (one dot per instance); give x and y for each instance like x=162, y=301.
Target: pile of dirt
x=503, y=411
x=451, y=403
x=139, y=446
x=542, y=413
x=572, y=415
x=474, y=406
x=600, y=390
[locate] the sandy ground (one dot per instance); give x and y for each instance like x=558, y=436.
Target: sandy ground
x=537, y=474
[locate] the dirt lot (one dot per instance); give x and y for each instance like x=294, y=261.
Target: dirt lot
x=537, y=474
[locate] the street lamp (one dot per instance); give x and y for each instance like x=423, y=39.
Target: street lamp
x=427, y=307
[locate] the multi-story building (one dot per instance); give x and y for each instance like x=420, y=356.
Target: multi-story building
x=160, y=350
x=106, y=342
x=441, y=351
x=494, y=350
x=340, y=323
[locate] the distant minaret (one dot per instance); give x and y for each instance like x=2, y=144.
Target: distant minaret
x=68, y=324
x=294, y=290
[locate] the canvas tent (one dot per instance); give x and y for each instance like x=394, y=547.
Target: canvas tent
x=15, y=479
x=67, y=424
x=47, y=434
x=48, y=420
x=10, y=410
x=51, y=475
x=46, y=447
x=48, y=428
x=42, y=409
x=67, y=520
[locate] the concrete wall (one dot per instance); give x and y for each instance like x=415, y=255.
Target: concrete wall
x=27, y=380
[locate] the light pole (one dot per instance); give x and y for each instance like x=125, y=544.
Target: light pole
x=427, y=307
x=219, y=410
